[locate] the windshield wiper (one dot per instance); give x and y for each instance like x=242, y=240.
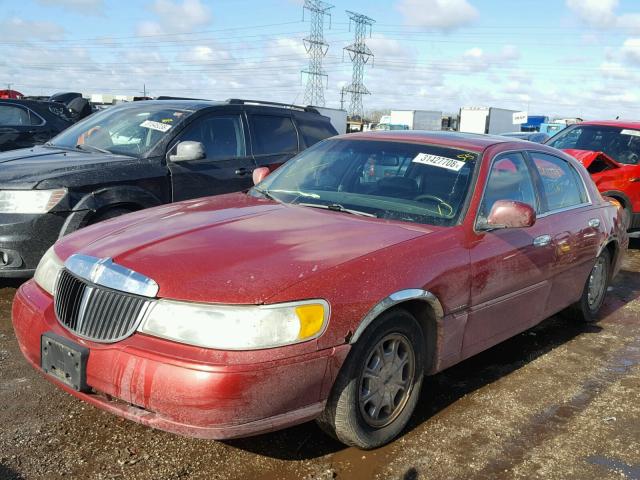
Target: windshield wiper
x=90, y=148
x=266, y=194
x=336, y=207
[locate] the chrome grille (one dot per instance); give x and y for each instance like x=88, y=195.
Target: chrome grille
x=95, y=312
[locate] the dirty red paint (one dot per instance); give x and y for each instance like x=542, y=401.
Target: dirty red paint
x=239, y=249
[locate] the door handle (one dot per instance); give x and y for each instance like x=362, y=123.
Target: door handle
x=243, y=171
x=542, y=241
x=594, y=222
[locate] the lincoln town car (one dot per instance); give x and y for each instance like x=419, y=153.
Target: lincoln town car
x=327, y=291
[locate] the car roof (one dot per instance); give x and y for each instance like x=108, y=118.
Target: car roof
x=28, y=103
x=466, y=141
x=614, y=123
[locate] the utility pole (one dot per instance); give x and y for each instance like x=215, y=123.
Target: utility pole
x=316, y=48
x=342, y=92
x=359, y=54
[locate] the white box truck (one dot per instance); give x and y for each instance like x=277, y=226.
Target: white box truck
x=417, y=119
x=487, y=120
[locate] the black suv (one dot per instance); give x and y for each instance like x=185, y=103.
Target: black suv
x=138, y=155
x=25, y=123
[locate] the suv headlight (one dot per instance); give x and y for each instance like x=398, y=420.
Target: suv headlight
x=243, y=327
x=48, y=269
x=30, y=201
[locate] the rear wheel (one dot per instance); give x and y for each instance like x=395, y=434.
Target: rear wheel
x=379, y=384
x=595, y=290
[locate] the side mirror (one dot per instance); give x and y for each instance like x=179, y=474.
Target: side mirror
x=260, y=174
x=188, y=150
x=510, y=214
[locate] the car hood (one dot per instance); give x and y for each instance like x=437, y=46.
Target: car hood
x=587, y=157
x=25, y=168
x=235, y=248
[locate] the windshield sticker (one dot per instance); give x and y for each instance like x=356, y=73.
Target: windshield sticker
x=466, y=156
x=635, y=133
x=161, y=127
x=437, y=161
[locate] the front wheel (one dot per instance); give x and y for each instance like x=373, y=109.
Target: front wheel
x=379, y=384
x=595, y=290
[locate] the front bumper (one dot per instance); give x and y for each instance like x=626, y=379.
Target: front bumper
x=154, y=382
x=23, y=240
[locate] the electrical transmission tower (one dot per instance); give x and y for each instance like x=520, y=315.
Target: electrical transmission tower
x=316, y=48
x=359, y=54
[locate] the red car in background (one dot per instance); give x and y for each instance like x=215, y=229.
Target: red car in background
x=324, y=292
x=610, y=151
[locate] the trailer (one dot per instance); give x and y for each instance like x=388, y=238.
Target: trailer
x=487, y=120
x=338, y=118
x=417, y=119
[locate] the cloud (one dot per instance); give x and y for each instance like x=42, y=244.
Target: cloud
x=86, y=7
x=631, y=50
x=602, y=14
x=17, y=29
x=176, y=17
x=443, y=15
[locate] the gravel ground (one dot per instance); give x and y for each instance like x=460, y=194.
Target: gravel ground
x=559, y=401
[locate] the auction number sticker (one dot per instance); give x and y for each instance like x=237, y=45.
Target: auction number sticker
x=635, y=133
x=161, y=127
x=437, y=161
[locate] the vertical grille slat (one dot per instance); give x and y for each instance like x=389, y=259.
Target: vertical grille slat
x=95, y=312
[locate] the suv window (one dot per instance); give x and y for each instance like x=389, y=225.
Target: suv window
x=509, y=179
x=15, y=116
x=273, y=134
x=221, y=135
x=313, y=131
x=560, y=181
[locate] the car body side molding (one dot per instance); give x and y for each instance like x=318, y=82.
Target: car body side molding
x=395, y=299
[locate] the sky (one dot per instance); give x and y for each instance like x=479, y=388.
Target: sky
x=562, y=58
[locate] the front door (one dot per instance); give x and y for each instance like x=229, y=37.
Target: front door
x=509, y=267
x=227, y=165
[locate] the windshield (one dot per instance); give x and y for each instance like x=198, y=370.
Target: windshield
x=401, y=181
x=621, y=144
x=129, y=131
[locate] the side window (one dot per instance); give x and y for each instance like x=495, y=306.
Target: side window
x=560, y=182
x=221, y=135
x=13, y=116
x=273, y=134
x=314, y=131
x=509, y=179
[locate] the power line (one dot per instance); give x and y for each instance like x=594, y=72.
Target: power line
x=316, y=48
x=360, y=55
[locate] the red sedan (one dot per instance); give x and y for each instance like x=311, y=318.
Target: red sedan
x=610, y=151
x=324, y=292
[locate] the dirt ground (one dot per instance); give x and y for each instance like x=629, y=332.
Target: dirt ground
x=560, y=401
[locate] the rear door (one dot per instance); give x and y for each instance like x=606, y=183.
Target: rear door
x=568, y=212
x=274, y=138
x=18, y=127
x=509, y=267
x=227, y=166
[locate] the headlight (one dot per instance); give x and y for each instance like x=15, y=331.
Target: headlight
x=30, y=201
x=227, y=327
x=48, y=269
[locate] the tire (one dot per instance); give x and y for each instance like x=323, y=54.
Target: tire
x=108, y=214
x=587, y=308
x=350, y=416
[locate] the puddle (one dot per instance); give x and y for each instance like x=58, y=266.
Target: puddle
x=630, y=472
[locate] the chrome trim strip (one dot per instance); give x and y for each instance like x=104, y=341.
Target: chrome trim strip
x=394, y=299
x=104, y=272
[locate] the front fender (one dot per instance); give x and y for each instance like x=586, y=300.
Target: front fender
x=105, y=197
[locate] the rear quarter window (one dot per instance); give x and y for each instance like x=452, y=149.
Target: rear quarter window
x=561, y=183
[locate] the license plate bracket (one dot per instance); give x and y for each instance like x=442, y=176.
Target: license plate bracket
x=64, y=360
